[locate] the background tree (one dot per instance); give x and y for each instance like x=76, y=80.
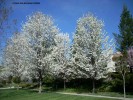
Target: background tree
x=61, y=58
x=7, y=24
x=124, y=39
x=91, y=49
x=130, y=58
x=14, y=57
x=40, y=32
x=122, y=68
x=5, y=11
x=4, y=75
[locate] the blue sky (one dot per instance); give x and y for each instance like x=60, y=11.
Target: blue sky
x=66, y=12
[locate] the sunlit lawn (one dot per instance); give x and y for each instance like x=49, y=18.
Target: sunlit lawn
x=31, y=95
x=84, y=91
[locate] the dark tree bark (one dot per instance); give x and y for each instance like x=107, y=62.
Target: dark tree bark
x=93, y=91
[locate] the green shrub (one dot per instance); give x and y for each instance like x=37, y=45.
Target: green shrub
x=16, y=80
x=1, y=85
x=25, y=85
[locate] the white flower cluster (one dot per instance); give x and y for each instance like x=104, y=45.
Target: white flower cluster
x=41, y=49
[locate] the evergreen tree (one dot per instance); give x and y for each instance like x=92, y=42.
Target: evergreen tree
x=124, y=39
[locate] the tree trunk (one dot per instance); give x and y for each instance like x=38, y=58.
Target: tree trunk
x=93, y=91
x=131, y=69
x=64, y=84
x=56, y=86
x=18, y=87
x=40, y=87
x=40, y=80
x=12, y=83
x=124, y=88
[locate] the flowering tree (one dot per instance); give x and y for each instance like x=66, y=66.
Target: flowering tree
x=40, y=33
x=60, y=55
x=130, y=58
x=4, y=74
x=13, y=57
x=91, y=50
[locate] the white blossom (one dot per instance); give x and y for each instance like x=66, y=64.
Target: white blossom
x=91, y=48
x=40, y=32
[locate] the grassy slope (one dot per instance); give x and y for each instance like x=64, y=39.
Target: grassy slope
x=30, y=95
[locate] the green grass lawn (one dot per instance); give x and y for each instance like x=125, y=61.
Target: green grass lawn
x=111, y=94
x=32, y=95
